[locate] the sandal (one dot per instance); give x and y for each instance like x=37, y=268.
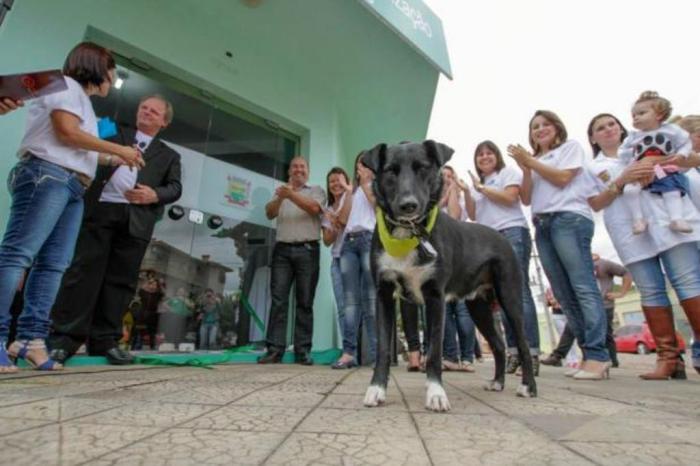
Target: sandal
x=28, y=349
x=6, y=366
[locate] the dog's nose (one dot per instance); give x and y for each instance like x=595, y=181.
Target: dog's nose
x=408, y=207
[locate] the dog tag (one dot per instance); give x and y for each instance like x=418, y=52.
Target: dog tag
x=428, y=248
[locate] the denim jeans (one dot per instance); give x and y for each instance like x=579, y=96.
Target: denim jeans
x=519, y=238
x=293, y=263
x=564, y=243
x=45, y=215
x=337, y=279
x=207, y=336
x=682, y=266
x=359, y=292
x=458, y=322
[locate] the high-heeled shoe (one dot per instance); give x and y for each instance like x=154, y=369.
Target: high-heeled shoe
x=34, y=351
x=593, y=370
x=6, y=366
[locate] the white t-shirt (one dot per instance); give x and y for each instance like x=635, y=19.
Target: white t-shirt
x=548, y=198
x=338, y=243
x=694, y=186
x=658, y=237
x=362, y=216
x=40, y=139
x=494, y=214
x=668, y=139
x=124, y=178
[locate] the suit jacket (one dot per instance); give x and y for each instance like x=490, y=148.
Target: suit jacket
x=162, y=173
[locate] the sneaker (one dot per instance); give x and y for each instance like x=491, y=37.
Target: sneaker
x=512, y=364
x=466, y=366
x=448, y=365
x=552, y=360
x=680, y=226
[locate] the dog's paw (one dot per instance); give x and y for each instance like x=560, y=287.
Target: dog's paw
x=375, y=396
x=436, y=398
x=525, y=392
x=493, y=386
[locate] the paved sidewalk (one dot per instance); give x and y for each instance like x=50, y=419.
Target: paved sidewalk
x=288, y=414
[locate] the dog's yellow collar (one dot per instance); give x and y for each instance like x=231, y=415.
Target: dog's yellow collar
x=400, y=247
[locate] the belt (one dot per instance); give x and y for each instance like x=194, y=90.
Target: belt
x=299, y=243
x=355, y=234
x=82, y=178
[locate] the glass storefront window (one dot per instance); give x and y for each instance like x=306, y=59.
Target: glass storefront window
x=204, y=281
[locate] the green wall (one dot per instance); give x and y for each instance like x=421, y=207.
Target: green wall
x=327, y=70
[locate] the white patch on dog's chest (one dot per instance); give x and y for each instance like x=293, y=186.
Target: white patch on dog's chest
x=391, y=268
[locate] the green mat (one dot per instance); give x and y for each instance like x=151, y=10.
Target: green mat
x=239, y=355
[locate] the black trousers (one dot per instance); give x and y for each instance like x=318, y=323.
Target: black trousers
x=100, y=283
x=566, y=341
x=293, y=263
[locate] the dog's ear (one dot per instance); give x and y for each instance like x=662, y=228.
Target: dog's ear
x=374, y=158
x=438, y=151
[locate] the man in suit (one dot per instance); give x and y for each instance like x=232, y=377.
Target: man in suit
x=121, y=209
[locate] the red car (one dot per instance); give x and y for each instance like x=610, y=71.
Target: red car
x=637, y=338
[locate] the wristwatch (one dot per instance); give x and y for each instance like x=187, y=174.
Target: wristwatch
x=614, y=188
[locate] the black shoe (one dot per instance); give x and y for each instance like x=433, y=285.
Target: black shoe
x=551, y=360
x=60, y=355
x=271, y=357
x=615, y=364
x=304, y=359
x=512, y=364
x=115, y=356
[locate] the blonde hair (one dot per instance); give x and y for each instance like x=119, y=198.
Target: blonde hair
x=690, y=123
x=661, y=105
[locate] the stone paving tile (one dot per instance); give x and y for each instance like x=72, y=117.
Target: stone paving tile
x=148, y=414
x=200, y=447
x=354, y=401
x=637, y=454
x=341, y=449
x=250, y=418
x=280, y=398
x=637, y=426
x=9, y=426
x=497, y=440
x=305, y=387
x=12, y=400
x=459, y=402
x=218, y=394
x=362, y=421
x=67, y=443
x=58, y=409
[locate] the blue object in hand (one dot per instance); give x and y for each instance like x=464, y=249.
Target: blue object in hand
x=106, y=128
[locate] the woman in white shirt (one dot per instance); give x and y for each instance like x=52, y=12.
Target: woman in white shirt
x=358, y=285
x=654, y=255
x=58, y=157
x=339, y=190
x=495, y=203
x=555, y=184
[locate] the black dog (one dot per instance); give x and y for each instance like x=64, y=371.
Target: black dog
x=451, y=260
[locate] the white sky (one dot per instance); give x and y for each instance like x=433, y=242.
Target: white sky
x=574, y=57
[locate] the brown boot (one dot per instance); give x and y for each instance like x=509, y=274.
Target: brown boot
x=692, y=311
x=668, y=362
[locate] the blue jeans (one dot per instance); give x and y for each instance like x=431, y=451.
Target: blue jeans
x=359, y=292
x=337, y=279
x=519, y=238
x=682, y=266
x=458, y=322
x=207, y=335
x=564, y=243
x=45, y=215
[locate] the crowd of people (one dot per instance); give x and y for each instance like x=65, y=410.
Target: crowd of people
x=84, y=208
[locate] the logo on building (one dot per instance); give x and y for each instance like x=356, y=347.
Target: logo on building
x=238, y=191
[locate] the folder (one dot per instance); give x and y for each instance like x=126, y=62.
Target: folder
x=25, y=86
